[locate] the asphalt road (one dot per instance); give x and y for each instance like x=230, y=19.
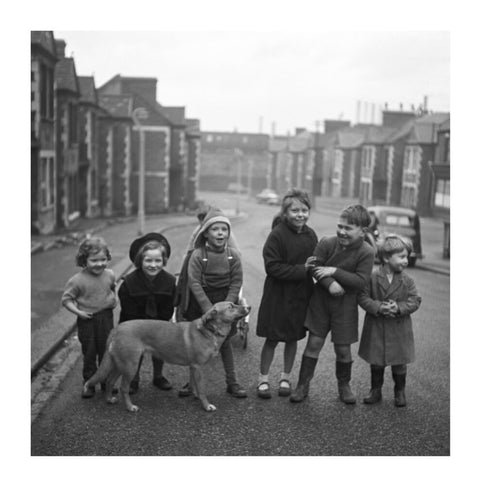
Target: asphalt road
x=320, y=426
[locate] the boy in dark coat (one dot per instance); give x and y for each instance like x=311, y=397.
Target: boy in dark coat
x=342, y=268
x=287, y=288
x=148, y=292
x=387, y=335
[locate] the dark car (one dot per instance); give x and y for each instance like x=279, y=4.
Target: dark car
x=401, y=221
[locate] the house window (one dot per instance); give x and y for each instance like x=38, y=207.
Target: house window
x=442, y=193
x=46, y=182
x=209, y=138
x=46, y=92
x=245, y=139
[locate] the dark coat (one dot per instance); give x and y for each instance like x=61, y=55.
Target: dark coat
x=388, y=341
x=288, y=286
x=353, y=269
x=141, y=298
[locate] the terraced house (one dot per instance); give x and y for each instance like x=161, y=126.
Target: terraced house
x=86, y=143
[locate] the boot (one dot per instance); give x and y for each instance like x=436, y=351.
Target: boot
x=343, y=372
x=376, y=385
x=399, y=389
x=307, y=369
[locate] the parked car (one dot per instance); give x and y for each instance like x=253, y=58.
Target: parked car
x=401, y=221
x=268, y=196
x=235, y=187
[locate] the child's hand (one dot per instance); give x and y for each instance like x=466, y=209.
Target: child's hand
x=388, y=308
x=336, y=289
x=311, y=262
x=84, y=315
x=322, y=272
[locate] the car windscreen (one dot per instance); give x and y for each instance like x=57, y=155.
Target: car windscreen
x=398, y=220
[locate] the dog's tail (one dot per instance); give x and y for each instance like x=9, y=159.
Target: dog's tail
x=106, y=365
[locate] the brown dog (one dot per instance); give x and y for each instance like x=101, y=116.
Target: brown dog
x=183, y=343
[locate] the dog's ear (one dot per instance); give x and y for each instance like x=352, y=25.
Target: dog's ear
x=209, y=315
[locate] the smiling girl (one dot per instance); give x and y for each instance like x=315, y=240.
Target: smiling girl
x=90, y=295
x=147, y=293
x=287, y=288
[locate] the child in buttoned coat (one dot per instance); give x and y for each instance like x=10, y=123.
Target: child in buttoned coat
x=387, y=336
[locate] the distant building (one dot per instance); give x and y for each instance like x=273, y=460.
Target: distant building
x=222, y=151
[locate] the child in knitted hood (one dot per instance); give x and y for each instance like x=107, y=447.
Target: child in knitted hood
x=215, y=275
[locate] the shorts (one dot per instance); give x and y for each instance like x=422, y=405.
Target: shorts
x=336, y=314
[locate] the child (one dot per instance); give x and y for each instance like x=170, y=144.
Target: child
x=215, y=275
x=147, y=293
x=342, y=268
x=182, y=296
x=90, y=295
x=287, y=288
x=387, y=335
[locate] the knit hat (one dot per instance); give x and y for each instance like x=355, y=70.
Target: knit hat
x=214, y=215
x=139, y=242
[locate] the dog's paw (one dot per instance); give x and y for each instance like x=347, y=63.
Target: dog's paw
x=112, y=400
x=133, y=408
x=210, y=408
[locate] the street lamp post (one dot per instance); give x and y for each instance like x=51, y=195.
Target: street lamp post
x=137, y=115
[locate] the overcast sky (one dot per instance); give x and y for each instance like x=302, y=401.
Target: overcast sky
x=248, y=80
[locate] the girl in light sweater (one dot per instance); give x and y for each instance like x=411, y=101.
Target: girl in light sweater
x=90, y=295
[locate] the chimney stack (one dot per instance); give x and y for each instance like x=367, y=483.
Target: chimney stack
x=60, y=45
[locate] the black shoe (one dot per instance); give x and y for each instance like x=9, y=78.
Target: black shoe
x=89, y=392
x=236, y=391
x=186, y=391
x=162, y=383
x=134, y=386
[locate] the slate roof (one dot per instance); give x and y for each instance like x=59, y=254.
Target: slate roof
x=88, y=93
x=117, y=105
x=378, y=134
x=350, y=138
x=65, y=75
x=425, y=128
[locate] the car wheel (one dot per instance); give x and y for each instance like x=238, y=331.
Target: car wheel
x=412, y=261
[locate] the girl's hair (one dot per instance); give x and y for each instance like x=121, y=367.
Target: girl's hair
x=292, y=194
x=90, y=246
x=356, y=214
x=150, y=245
x=391, y=244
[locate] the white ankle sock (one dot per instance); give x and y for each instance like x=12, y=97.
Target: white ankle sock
x=262, y=378
x=284, y=376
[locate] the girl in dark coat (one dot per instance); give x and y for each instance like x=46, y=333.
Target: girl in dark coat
x=287, y=287
x=148, y=292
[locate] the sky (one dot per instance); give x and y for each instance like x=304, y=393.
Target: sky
x=252, y=81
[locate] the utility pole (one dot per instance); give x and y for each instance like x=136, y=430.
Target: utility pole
x=138, y=114
x=237, y=154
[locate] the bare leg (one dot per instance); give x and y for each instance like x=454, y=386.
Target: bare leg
x=266, y=356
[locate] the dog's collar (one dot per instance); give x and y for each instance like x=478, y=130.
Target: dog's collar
x=214, y=331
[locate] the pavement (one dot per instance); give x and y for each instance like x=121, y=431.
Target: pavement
x=52, y=263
